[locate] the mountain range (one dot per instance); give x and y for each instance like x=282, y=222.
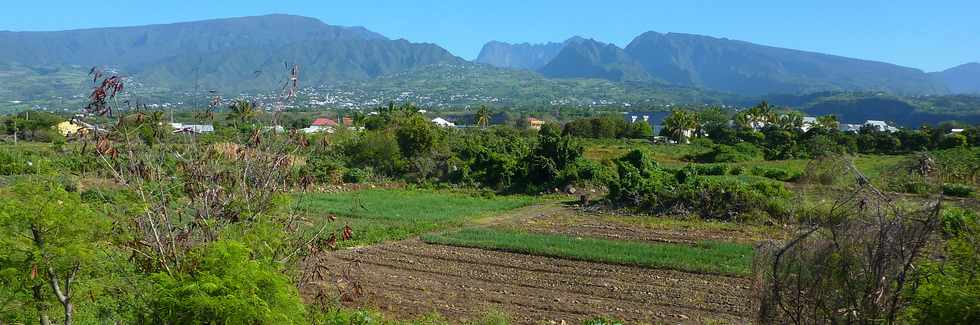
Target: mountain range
x=235, y=54
x=521, y=56
x=254, y=54
x=739, y=67
x=963, y=79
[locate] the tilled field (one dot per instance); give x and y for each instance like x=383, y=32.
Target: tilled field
x=571, y=221
x=410, y=278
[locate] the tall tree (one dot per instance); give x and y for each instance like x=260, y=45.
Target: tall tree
x=680, y=125
x=828, y=122
x=50, y=232
x=243, y=111
x=483, y=117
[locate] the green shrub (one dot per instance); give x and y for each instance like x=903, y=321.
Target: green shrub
x=704, y=191
x=225, y=285
x=774, y=173
x=914, y=187
x=740, y=152
x=958, y=190
x=949, y=293
x=955, y=220
x=587, y=171
x=358, y=175
x=737, y=170
x=23, y=162
x=324, y=168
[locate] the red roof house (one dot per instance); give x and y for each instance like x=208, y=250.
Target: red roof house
x=323, y=121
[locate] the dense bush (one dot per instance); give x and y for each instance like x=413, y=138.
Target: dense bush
x=740, y=152
x=644, y=185
x=949, y=292
x=324, y=168
x=607, y=127
x=775, y=173
x=226, y=286
x=358, y=175
x=958, y=190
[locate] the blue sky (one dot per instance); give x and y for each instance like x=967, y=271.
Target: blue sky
x=929, y=35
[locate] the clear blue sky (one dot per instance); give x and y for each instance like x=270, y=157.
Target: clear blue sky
x=930, y=35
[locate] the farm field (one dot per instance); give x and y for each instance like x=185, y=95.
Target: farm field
x=379, y=215
x=412, y=278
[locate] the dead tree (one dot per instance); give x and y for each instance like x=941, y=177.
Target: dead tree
x=850, y=262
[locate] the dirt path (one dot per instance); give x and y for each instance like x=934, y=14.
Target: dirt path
x=409, y=279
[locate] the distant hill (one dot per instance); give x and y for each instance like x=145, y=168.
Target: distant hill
x=747, y=68
x=264, y=68
x=127, y=46
x=236, y=54
x=713, y=63
x=594, y=59
x=521, y=56
x=963, y=79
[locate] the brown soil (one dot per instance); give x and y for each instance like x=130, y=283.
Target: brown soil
x=568, y=220
x=409, y=279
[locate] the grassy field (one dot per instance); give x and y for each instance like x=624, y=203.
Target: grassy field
x=395, y=214
x=706, y=257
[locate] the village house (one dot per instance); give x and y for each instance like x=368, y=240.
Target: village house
x=322, y=124
x=534, y=123
x=192, y=128
x=443, y=122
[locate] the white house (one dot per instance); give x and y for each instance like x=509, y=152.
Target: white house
x=808, y=123
x=192, y=128
x=443, y=123
x=844, y=127
x=880, y=125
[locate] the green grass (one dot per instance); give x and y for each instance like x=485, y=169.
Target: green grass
x=393, y=214
x=706, y=257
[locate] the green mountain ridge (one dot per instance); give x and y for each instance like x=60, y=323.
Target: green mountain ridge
x=522, y=55
x=132, y=46
x=962, y=79
x=735, y=66
x=263, y=68
x=594, y=59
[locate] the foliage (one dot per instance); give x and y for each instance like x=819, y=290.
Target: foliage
x=642, y=184
x=774, y=173
x=225, y=285
x=605, y=127
x=959, y=190
x=948, y=290
x=722, y=153
x=851, y=261
x=50, y=235
x=680, y=125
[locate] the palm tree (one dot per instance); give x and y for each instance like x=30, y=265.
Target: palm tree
x=680, y=123
x=483, y=117
x=357, y=118
x=242, y=111
x=790, y=121
x=828, y=122
x=759, y=116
